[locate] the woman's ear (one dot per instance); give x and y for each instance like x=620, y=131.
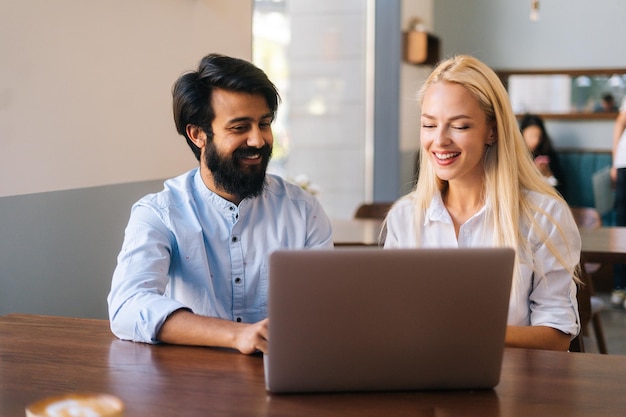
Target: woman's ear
x=197, y=135
x=493, y=136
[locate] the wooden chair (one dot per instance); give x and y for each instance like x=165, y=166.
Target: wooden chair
x=583, y=295
x=589, y=305
x=586, y=217
x=373, y=210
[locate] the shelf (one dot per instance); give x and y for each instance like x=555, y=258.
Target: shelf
x=421, y=48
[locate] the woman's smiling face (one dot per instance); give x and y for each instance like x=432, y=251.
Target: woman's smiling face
x=455, y=132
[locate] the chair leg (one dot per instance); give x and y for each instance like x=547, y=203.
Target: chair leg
x=599, y=333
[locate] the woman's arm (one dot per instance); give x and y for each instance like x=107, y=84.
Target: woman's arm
x=536, y=337
x=555, y=248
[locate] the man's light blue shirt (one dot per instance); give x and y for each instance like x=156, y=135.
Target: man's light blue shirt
x=186, y=247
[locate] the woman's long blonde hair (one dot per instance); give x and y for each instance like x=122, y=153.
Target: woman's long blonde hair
x=508, y=167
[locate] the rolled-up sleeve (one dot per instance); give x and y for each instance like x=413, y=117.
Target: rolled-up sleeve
x=137, y=305
x=552, y=298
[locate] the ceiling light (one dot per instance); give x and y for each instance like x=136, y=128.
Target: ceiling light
x=534, y=10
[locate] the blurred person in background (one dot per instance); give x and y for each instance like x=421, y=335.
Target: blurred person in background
x=540, y=145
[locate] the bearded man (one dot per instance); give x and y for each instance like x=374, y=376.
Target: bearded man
x=193, y=265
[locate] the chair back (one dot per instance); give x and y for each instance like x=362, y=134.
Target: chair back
x=583, y=296
x=373, y=210
x=587, y=217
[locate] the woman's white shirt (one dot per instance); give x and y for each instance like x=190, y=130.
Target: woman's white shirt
x=547, y=299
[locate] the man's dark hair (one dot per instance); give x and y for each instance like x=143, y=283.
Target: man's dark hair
x=192, y=91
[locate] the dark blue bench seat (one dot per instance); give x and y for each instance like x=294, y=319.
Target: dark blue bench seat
x=578, y=167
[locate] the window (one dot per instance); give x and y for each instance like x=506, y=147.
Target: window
x=315, y=52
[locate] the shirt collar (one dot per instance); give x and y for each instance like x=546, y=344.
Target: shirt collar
x=437, y=211
x=209, y=196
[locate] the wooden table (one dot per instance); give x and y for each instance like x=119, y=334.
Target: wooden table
x=604, y=244
x=42, y=356
x=356, y=232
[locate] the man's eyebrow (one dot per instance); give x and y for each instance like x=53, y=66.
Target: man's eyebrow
x=250, y=119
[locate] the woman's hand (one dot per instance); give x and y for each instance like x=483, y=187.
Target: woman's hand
x=543, y=164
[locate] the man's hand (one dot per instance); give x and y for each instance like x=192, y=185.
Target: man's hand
x=252, y=337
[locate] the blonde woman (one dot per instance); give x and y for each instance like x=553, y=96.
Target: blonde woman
x=477, y=187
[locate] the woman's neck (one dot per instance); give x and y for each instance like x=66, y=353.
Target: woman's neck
x=462, y=202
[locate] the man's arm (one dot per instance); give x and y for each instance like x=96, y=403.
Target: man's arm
x=186, y=328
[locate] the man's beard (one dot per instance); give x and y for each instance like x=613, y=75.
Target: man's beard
x=233, y=177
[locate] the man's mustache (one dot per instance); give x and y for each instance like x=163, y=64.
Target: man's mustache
x=265, y=151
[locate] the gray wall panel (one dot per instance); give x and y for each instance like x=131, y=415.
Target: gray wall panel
x=58, y=249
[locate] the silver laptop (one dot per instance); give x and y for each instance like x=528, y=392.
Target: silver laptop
x=387, y=320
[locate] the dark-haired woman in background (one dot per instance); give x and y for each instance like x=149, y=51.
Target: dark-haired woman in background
x=544, y=155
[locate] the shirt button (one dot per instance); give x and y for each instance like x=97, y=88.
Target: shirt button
x=237, y=280
x=238, y=319
x=231, y=208
x=234, y=239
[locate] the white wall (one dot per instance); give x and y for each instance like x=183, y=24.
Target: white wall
x=568, y=34
x=85, y=86
x=411, y=78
